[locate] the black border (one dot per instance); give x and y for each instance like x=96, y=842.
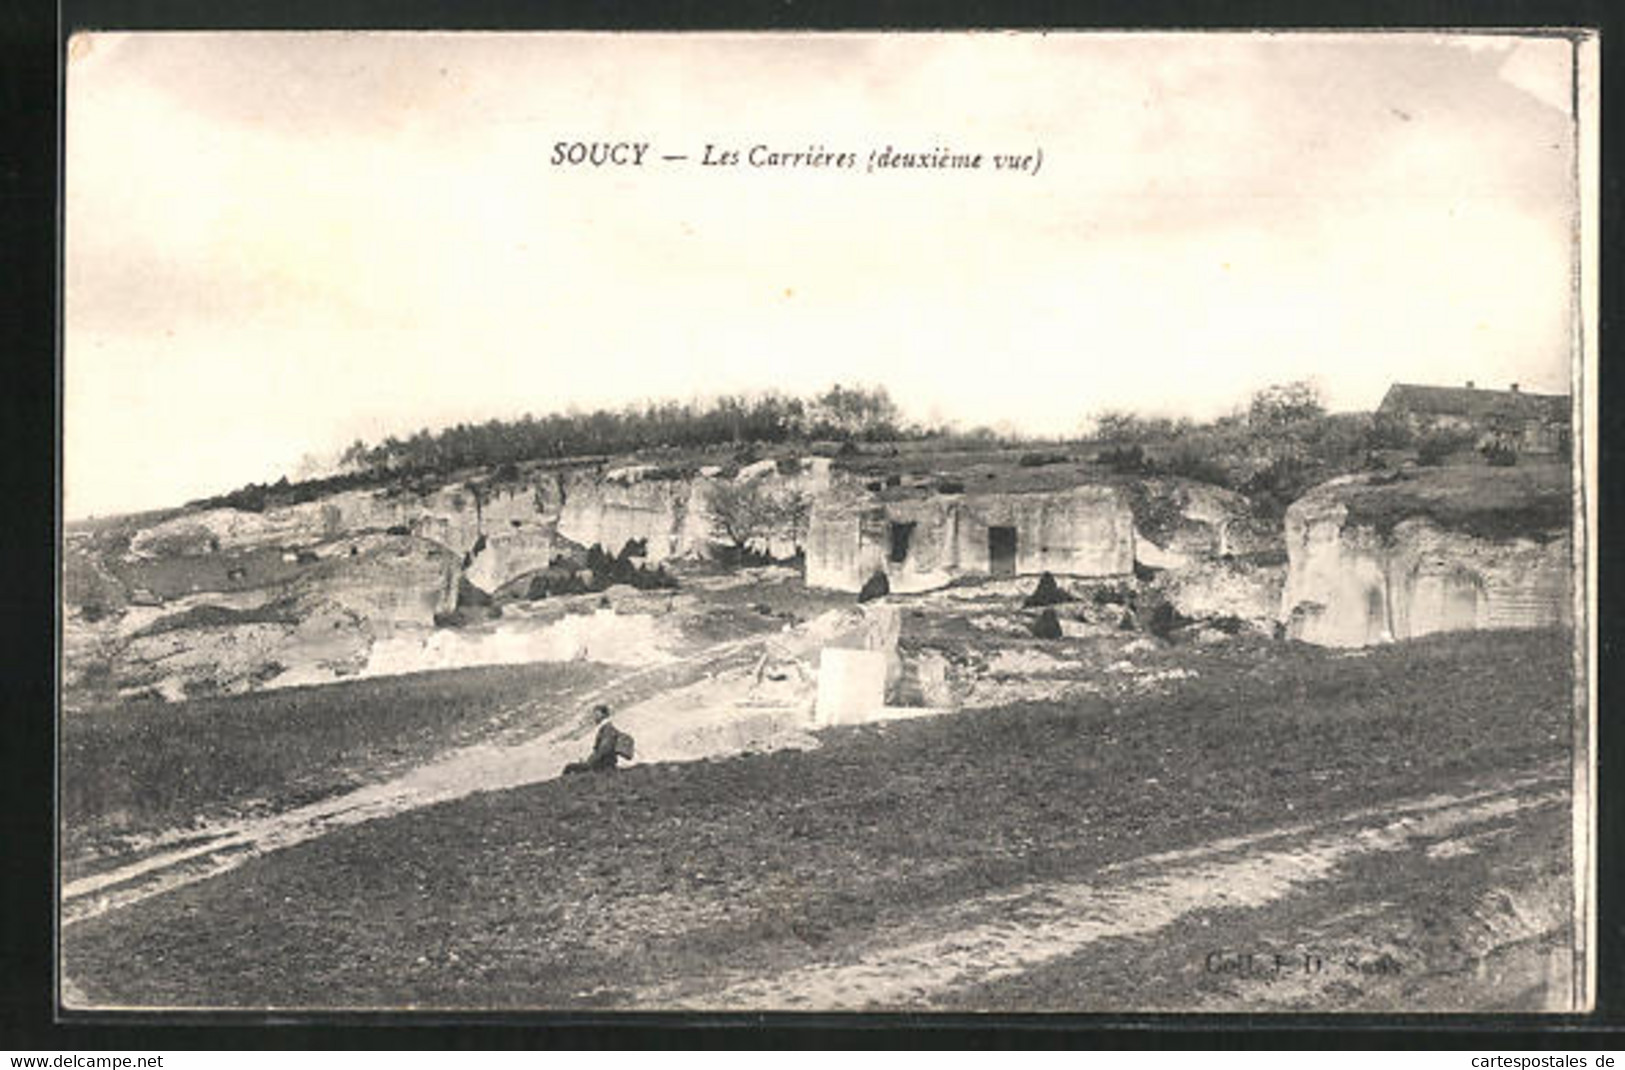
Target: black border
x=33, y=38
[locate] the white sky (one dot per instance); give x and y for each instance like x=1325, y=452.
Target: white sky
x=277, y=243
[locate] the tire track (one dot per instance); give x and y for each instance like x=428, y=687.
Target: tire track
x=1010, y=933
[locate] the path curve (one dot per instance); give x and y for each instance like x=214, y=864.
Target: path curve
x=477, y=767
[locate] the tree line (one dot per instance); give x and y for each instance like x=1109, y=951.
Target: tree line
x=841, y=413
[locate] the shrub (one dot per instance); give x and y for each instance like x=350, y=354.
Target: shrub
x=1331, y=439
x=98, y=675
x=741, y=557
x=1278, y=484
x=207, y=616
x=1048, y=593
x=1124, y=460
x=1159, y=512
x=470, y=595
x=857, y=412
x=557, y=580
x=201, y=687
x=1500, y=454
x=253, y=498
x=950, y=486
x=1165, y=619
x=1389, y=431
x=1038, y=460
x=1047, y=625
x=1116, y=594
x=742, y=513
x=1192, y=465
x=1437, y=446
x=1114, y=426
x=1284, y=404
x=562, y=576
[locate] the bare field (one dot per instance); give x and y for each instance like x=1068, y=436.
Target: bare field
x=1088, y=853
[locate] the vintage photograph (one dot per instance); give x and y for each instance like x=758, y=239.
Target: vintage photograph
x=932, y=522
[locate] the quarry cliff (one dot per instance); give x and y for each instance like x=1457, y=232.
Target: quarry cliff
x=1374, y=559
x=363, y=580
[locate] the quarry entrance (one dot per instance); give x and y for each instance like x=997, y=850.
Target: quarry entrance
x=902, y=532
x=1001, y=551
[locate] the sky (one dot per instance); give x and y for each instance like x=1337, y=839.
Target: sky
x=277, y=243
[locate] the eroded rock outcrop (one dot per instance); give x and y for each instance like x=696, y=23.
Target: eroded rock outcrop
x=1178, y=521
x=155, y=606
x=671, y=516
x=318, y=625
x=1208, y=589
x=666, y=515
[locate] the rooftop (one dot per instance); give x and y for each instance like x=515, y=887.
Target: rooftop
x=1472, y=402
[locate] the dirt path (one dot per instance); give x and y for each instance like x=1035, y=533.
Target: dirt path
x=486, y=766
x=1008, y=934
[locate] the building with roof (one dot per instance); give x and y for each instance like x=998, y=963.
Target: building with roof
x=1531, y=423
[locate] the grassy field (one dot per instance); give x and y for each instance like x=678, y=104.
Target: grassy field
x=139, y=768
x=1530, y=500
x=582, y=892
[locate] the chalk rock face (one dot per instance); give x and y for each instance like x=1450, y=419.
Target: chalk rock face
x=225, y=659
x=1182, y=520
x=319, y=626
x=214, y=530
x=507, y=554
x=1207, y=589
x=519, y=523
x=671, y=515
x=851, y=687
x=612, y=514
x=449, y=515
x=876, y=626
x=757, y=470
x=603, y=636
x=228, y=529
x=1350, y=584
x=922, y=543
x=223, y=599
x=392, y=579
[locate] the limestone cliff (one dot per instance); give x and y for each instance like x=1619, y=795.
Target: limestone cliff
x=224, y=599
x=1180, y=521
x=1371, y=562
x=317, y=624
